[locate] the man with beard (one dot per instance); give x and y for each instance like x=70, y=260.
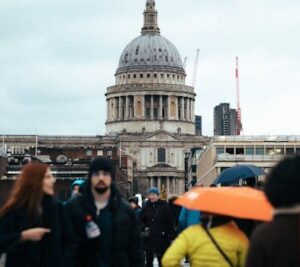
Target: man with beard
x=106, y=228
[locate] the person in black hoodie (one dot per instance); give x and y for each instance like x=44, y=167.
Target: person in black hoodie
x=106, y=228
x=157, y=220
x=30, y=225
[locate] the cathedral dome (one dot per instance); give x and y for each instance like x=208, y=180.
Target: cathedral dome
x=148, y=52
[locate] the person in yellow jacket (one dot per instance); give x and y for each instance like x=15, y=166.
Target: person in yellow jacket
x=196, y=243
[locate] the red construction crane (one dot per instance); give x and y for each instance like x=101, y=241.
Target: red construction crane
x=239, y=125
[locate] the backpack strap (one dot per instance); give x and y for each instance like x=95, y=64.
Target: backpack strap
x=218, y=247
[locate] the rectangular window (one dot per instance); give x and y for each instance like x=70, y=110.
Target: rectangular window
x=161, y=75
x=134, y=76
x=230, y=150
x=249, y=150
x=239, y=151
x=89, y=153
x=219, y=150
x=155, y=75
x=259, y=150
x=99, y=153
x=141, y=75
x=148, y=75
x=161, y=155
x=290, y=151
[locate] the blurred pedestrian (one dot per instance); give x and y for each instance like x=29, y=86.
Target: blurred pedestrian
x=188, y=218
x=276, y=243
x=217, y=241
x=134, y=203
x=30, y=226
x=77, y=188
x=175, y=210
x=106, y=228
x=157, y=219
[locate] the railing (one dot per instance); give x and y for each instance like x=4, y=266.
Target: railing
x=257, y=138
x=229, y=157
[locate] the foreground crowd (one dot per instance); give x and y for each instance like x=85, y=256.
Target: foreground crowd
x=98, y=228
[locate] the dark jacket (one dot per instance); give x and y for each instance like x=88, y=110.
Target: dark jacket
x=276, y=244
x=44, y=253
x=125, y=241
x=158, y=217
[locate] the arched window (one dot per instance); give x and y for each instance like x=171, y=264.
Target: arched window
x=161, y=155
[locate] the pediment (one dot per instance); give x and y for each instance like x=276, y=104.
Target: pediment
x=161, y=135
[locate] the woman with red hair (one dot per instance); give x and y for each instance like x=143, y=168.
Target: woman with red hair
x=30, y=232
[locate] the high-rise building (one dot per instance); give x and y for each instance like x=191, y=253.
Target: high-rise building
x=224, y=120
x=198, y=125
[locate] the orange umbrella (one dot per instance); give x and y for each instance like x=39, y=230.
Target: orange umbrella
x=240, y=202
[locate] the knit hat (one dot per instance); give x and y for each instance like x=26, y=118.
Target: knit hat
x=153, y=190
x=134, y=200
x=102, y=164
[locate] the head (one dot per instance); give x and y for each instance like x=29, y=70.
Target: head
x=133, y=201
x=101, y=175
x=34, y=177
x=282, y=185
x=153, y=194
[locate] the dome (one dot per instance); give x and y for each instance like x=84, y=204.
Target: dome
x=150, y=53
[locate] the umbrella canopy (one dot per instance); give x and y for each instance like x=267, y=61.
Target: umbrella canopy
x=232, y=175
x=240, y=202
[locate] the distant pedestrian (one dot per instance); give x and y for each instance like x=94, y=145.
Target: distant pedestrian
x=77, y=188
x=134, y=203
x=188, y=218
x=157, y=219
x=175, y=210
x=217, y=241
x=276, y=244
x=30, y=222
x=106, y=228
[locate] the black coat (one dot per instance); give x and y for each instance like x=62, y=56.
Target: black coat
x=276, y=244
x=126, y=247
x=158, y=217
x=45, y=253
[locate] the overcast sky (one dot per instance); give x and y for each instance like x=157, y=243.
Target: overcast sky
x=58, y=57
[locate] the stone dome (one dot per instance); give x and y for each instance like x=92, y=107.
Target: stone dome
x=148, y=52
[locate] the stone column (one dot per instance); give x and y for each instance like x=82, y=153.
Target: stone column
x=120, y=108
x=127, y=108
x=192, y=110
x=151, y=181
x=168, y=185
x=174, y=185
x=115, y=108
x=182, y=109
x=159, y=183
x=152, y=108
x=188, y=117
x=160, y=107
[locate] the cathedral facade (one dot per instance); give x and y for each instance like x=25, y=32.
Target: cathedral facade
x=150, y=109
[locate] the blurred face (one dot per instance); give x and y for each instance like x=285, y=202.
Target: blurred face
x=133, y=205
x=48, y=183
x=76, y=189
x=101, y=181
x=153, y=197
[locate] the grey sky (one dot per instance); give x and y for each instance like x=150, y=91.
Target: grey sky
x=58, y=57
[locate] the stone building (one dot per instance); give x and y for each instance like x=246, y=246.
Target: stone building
x=150, y=109
x=227, y=151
